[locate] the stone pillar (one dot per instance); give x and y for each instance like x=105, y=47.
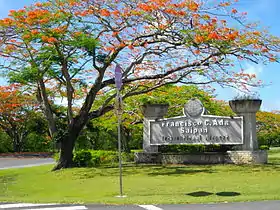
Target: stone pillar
x=151, y=112
x=247, y=108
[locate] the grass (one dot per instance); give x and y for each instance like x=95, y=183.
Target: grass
x=144, y=184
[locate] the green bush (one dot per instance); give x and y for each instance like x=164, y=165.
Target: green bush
x=264, y=147
x=196, y=148
x=37, y=143
x=83, y=158
x=128, y=157
x=5, y=143
x=182, y=148
x=136, y=150
x=92, y=158
x=56, y=156
x=270, y=139
x=109, y=157
x=105, y=156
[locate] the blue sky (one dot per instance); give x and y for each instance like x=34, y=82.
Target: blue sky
x=265, y=11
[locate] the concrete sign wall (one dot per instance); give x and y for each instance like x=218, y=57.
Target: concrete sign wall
x=201, y=130
x=196, y=128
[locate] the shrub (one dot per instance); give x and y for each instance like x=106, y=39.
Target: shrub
x=182, y=148
x=5, y=143
x=264, y=147
x=56, y=156
x=83, y=158
x=196, y=148
x=92, y=158
x=37, y=143
x=270, y=139
x=105, y=156
x=128, y=157
x=111, y=157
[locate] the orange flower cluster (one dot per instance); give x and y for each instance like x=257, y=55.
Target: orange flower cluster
x=199, y=39
x=225, y=4
x=84, y=13
x=26, y=36
x=214, y=35
x=234, y=11
x=175, y=12
x=232, y=36
x=48, y=39
x=38, y=15
x=104, y=12
x=59, y=30
x=34, y=32
x=10, y=48
x=6, y=22
x=146, y=7
x=193, y=6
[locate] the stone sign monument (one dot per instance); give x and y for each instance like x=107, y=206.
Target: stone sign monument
x=194, y=127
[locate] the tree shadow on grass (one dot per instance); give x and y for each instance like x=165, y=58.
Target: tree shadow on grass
x=86, y=173
x=204, y=193
x=228, y=194
x=178, y=171
x=199, y=194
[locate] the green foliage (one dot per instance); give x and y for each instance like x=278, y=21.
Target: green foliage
x=197, y=148
x=35, y=142
x=105, y=156
x=93, y=158
x=269, y=139
x=5, y=143
x=84, y=41
x=264, y=147
x=56, y=156
x=128, y=157
x=110, y=157
x=268, y=128
x=27, y=75
x=83, y=158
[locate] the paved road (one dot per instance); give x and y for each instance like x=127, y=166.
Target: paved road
x=264, y=205
x=7, y=162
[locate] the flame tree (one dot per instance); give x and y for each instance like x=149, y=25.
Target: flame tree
x=68, y=49
x=15, y=107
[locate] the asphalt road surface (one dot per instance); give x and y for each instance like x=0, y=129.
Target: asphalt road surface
x=263, y=205
x=6, y=162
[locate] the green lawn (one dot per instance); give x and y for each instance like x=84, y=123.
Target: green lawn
x=144, y=184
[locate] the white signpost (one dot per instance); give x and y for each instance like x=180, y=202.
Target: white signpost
x=118, y=82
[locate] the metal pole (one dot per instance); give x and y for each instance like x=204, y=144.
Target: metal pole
x=119, y=142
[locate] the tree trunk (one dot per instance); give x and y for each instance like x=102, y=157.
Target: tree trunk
x=16, y=146
x=66, y=153
x=67, y=146
x=126, y=137
x=17, y=143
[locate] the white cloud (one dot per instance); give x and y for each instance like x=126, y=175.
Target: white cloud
x=253, y=69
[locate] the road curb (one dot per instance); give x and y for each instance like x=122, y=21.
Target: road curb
x=27, y=155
